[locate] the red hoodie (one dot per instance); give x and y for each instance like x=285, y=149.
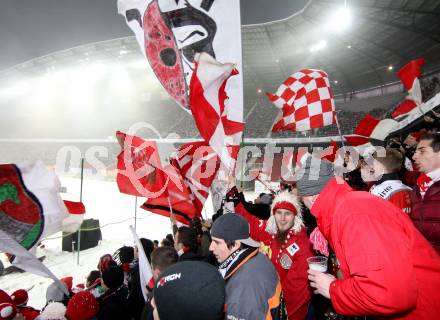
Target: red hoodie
x=389, y=269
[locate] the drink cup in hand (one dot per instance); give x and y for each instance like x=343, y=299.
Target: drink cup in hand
x=317, y=263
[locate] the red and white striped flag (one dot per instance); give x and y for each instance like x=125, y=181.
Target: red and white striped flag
x=404, y=108
x=373, y=128
x=409, y=75
x=198, y=165
x=306, y=101
x=219, y=123
x=370, y=128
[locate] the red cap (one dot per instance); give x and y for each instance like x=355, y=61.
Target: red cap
x=82, y=306
x=4, y=297
x=20, y=297
x=68, y=281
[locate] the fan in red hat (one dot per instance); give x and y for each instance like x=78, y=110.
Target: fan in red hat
x=4, y=297
x=82, y=306
x=285, y=242
x=7, y=311
x=20, y=297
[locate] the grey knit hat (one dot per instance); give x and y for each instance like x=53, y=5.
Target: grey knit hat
x=314, y=176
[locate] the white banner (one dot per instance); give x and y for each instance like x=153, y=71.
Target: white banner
x=171, y=32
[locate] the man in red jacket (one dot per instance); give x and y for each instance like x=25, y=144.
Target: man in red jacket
x=384, y=172
x=426, y=195
x=389, y=269
x=284, y=240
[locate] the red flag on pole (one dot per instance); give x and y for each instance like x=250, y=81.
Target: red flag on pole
x=177, y=196
x=139, y=167
x=411, y=72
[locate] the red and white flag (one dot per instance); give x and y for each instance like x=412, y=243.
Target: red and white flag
x=219, y=122
x=370, y=128
x=177, y=199
x=139, y=167
x=404, y=108
x=76, y=211
x=409, y=74
x=373, y=128
x=306, y=101
x=198, y=165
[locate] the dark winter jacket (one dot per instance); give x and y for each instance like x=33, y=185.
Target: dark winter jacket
x=136, y=300
x=253, y=288
x=426, y=214
x=113, y=305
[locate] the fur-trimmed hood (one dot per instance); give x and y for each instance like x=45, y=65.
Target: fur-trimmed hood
x=292, y=198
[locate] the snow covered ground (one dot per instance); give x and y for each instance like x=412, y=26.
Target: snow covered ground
x=115, y=212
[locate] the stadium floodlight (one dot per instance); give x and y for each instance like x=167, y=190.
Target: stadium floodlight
x=318, y=46
x=16, y=89
x=340, y=19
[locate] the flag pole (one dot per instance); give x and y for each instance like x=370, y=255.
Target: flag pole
x=339, y=130
x=135, y=212
x=80, y=199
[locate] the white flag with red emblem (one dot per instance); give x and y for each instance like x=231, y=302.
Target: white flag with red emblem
x=219, y=121
x=171, y=32
x=305, y=100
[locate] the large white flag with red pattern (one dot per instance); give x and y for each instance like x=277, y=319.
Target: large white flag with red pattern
x=219, y=121
x=305, y=100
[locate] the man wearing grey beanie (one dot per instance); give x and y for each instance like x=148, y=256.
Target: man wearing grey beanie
x=385, y=262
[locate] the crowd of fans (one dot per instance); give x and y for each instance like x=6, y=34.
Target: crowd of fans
x=378, y=224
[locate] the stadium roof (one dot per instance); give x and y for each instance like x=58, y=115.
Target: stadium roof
x=381, y=34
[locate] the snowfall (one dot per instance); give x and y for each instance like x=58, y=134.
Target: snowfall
x=116, y=212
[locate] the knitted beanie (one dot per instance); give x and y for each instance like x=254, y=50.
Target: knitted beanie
x=4, y=297
x=82, y=306
x=190, y=290
x=54, y=311
x=113, y=277
x=20, y=297
x=7, y=311
x=316, y=174
x=289, y=201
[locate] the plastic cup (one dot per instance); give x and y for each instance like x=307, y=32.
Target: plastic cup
x=318, y=263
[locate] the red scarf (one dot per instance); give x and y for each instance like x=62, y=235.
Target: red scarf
x=320, y=243
x=426, y=180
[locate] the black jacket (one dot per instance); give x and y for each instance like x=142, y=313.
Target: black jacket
x=113, y=305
